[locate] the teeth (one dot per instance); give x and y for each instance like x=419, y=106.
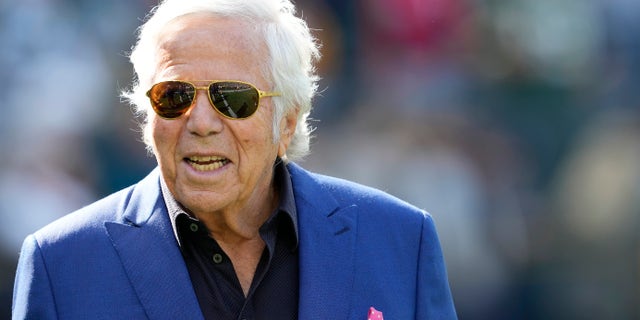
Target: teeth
x=207, y=167
x=207, y=163
x=206, y=159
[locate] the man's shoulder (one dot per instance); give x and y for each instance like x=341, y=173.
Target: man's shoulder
x=89, y=221
x=88, y=218
x=350, y=193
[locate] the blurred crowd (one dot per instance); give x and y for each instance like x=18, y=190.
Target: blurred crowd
x=514, y=123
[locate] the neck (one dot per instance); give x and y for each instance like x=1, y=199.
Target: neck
x=236, y=225
x=237, y=232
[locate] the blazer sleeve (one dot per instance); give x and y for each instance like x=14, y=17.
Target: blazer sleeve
x=433, y=293
x=32, y=292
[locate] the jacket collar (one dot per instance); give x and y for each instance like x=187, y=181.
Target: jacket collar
x=150, y=256
x=327, y=235
x=327, y=243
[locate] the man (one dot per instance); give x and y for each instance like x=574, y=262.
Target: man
x=228, y=227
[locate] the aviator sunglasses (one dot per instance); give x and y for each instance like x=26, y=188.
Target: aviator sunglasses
x=232, y=99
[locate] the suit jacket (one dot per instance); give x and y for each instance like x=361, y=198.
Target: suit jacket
x=118, y=258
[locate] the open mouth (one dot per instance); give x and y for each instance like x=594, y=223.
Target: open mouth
x=207, y=163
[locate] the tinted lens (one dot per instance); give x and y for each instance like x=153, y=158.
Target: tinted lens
x=234, y=99
x=171, y=99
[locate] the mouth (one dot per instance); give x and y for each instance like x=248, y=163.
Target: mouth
x=206, y=163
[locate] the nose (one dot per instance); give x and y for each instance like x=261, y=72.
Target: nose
x=202, y=119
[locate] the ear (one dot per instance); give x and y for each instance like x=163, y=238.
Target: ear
x=287, y=129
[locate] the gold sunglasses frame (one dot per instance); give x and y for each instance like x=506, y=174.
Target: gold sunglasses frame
x=261, y=94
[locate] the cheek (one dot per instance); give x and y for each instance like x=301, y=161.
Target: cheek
x=163, y=135
x=256, y=141
x=154, y=132
x=266, y=130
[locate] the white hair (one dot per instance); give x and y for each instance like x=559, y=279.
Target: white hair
x=292, y=53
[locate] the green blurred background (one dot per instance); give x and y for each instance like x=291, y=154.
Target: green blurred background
x=514, y=123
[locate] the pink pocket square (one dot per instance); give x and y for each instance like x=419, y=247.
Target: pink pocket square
x=374, y=314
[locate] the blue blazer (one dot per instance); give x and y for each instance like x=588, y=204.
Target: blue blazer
x=118, y=258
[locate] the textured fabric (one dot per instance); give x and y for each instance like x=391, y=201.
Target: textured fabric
x=119, y=259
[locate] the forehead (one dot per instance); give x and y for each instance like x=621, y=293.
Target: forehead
x=209, y=41
x=207, y=30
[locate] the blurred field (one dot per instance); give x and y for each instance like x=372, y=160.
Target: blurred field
x=514, y=123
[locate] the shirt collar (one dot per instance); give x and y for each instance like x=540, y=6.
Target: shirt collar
x=286, y=207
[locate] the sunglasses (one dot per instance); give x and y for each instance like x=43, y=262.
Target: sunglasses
x=232, y=99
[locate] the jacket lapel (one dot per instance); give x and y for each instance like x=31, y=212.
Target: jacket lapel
x=327, y=241
x=150, y=255
x=160, y=278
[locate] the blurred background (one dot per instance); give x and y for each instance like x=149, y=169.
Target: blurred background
x=514, y=123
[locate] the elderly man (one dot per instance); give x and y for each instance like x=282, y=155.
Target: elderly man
x=228, y=227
